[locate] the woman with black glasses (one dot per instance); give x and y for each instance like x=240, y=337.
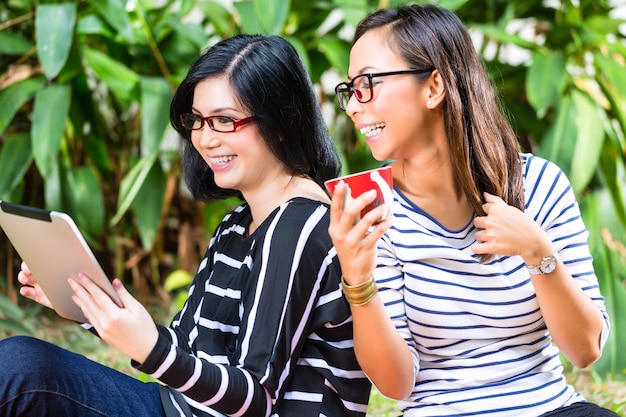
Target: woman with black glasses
x=483, y=275
x=265, y=330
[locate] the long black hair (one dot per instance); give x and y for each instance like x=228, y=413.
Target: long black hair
x=271, y=82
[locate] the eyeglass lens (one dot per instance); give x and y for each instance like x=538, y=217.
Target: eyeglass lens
x=217, y=123
x=360, y=87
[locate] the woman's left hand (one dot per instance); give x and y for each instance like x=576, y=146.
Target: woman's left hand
x=130, y=328
x=506, y=230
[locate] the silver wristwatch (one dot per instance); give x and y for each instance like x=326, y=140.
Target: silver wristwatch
x=546, y=266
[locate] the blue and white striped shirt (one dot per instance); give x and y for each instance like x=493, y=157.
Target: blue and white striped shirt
x=478, y=338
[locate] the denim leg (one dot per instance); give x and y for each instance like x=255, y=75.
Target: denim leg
x=40, y=379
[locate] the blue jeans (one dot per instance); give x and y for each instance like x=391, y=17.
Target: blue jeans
x=40, y=379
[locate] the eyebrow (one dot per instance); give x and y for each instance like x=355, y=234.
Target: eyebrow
x=364, y=70
x=219, y=110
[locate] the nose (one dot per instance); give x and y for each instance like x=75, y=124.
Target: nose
x=353, y=106
x=207, y=137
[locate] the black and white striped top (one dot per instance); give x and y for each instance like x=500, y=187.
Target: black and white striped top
x=265, y=330
x=479, y=341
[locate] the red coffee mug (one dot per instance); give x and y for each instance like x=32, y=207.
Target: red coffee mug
x=379, y=179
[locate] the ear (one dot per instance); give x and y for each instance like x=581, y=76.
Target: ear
x=436, y=91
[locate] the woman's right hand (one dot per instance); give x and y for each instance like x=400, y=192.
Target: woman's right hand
x=355, y=238
x=31, y=288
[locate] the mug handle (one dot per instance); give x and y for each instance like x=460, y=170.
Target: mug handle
x=385, y=190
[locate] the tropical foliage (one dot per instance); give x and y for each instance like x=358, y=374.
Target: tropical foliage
x=85, y=88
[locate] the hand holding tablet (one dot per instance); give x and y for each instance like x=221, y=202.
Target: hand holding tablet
x=54, y=250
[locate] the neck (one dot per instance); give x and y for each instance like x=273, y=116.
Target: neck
x=285, y=187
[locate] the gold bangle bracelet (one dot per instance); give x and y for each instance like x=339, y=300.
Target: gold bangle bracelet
x=360, y=294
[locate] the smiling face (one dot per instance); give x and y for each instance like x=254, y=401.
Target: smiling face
x=240, y=160
x=397, y=118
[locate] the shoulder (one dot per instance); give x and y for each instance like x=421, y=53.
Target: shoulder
x=300, y=219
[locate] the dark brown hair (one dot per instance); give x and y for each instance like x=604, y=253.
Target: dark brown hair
x=483, y=147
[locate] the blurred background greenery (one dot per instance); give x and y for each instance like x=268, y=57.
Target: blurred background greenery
x=84, y=95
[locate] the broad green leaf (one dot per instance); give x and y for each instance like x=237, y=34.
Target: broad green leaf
x=604, y=233
x=614, y=178
x=54, y=31
x=220, y=17
x=272, y=14
x=353, y=10
x=337, y=52
x=250, y=22
x=114, y=12
x=50, y=113
x=502, y=36
x=148, y=205
x=131, y=184
x=544, y=81
x=299, y=46
x=156, y=96
x=589, y=141
x=56, y=183
x=15, y=157
x=611, y=75
x=14, y=96
x=121, y=80
x=557, y=145
x=14, y=43
x=87, y=201
x=93, y=25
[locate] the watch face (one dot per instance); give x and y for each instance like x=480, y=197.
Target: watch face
x=548, y=264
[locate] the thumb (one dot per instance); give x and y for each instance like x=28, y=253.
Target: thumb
x=490, y=198
x=125, y=297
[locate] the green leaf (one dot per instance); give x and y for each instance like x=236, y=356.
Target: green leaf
x=93, y=25
x=250, y=22
x=611, y=75
x=14, y=43
x=148, y=204
x=121, y=80
x=131, y=184
x=337, y=52
x=589, y=141
x=544, y=81
x=54, y=30
x=302, y=51
x=353, y=10
x=272, y=14
x=178, y=279
x=52, y=105
x=14, y=96
x=15, y=157
x=114, y=12
x=9, y=309
x=556, y=145
x=87, y=201
x=156, y=95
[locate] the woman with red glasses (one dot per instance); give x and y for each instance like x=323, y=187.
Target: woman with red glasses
x=483, y=275
x=265, y=330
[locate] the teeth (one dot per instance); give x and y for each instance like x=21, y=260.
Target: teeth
x=372, y=130
x=222, y=160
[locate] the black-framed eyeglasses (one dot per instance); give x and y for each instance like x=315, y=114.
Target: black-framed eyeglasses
x=223, y=124
x=362, y=86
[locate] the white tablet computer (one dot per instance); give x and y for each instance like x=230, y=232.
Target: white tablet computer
x=54, y=250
